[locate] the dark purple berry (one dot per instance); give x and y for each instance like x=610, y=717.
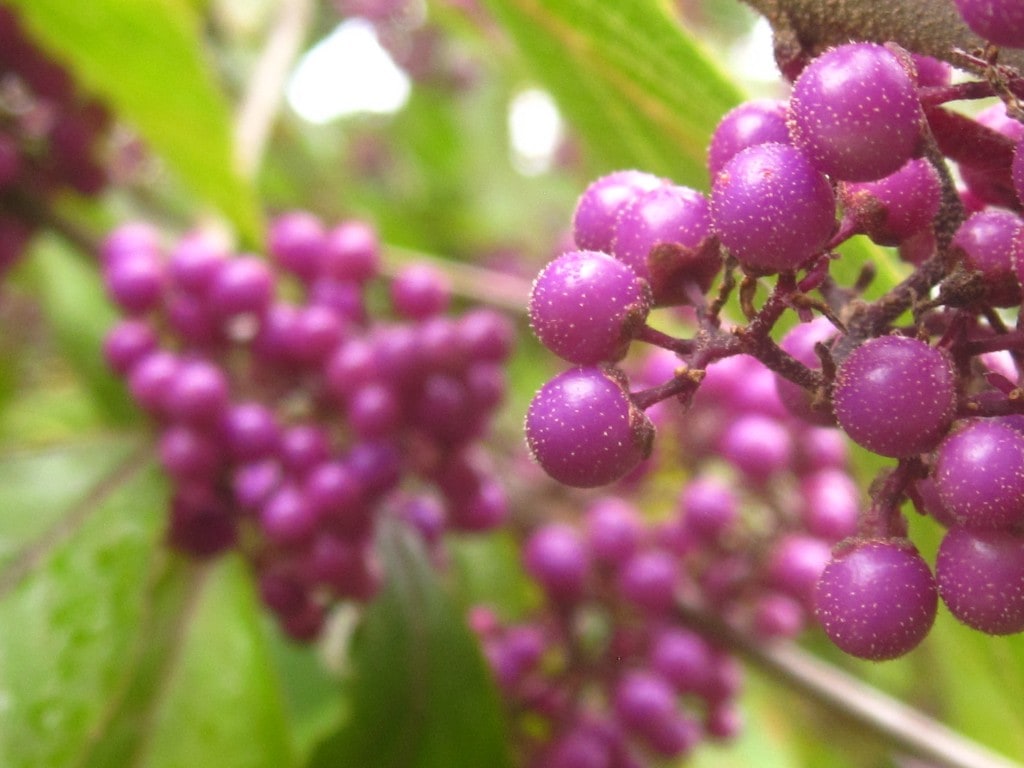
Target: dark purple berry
x=981, y=579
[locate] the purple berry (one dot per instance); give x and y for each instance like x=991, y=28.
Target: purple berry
x=136, y=281
x=242, y=285
x=981, y=579
x=758, y=121
x=127, y=343
x=613, y=529
x=296, y=241
x=758, y=446
x=586, y=307
x=598, y=207
x=997, y=21
x=649, y=579
x=895, y=396
x=986, y=243
x=795, y=564
x=897, y=206
x=979, y=474
x=854, y=112
x=800, y=342
x=351, y=252
x=420, y=291
x=665, y=235
x=198, y=393
x=584, y=430
x=556, y=557
x=709, y=506
x=771, y=208
x=877, y=598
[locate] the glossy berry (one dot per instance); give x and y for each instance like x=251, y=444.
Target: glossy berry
x=876, y=599
x=895, y=207
x=854, y=112
x=556, y=557
x=981, y=579
x=758, y=121
x=895, y=396
x=800, y=342
x=979, y=475
x=598, y=207
x=665, y=235
x=771, y=208
x=985, y=242
x=997, y=21
x=586, y=307
x=584, y=430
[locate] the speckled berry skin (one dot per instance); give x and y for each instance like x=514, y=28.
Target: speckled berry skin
x=753, y=122
x=598, y=208
x=897, y=206
x=979, y=475
x=895, y=396
x=998, y=21
x=986, y=243
x=586, y=306
x=584, y=430
x=665, y=235
x=981, y=579
x=854, y=112
x=771, y=208
x=876, y=599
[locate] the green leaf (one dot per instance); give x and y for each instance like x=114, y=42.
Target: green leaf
x=639, y=90
x=220, y=703
x=73, y=297
x=146, y=59
x=32, y=501
x=421, y=696
x=71, y=625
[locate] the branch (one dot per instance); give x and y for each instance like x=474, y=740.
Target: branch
x=266, y=83
x=904, y=728
x=931, y=27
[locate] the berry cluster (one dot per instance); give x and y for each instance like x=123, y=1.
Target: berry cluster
x=616, y=674
x=50, y=137
x=926, y=375
x=289, y=427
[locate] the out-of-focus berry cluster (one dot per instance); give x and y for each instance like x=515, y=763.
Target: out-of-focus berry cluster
x=299, y=400
x=51, y=137
x=607, y=669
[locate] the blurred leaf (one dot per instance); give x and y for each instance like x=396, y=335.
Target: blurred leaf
x=146, y=59
x=220, y=702
x=71, y=626
x=38, y=487
x=638, y=89
x=73, y=297
x=421, y=696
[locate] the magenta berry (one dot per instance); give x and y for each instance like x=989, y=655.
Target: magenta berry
x=981, y=579
x=979, y=475
x=758, y=121
x=877, y=598
x=771, y=208
x=586, y=307
x=997, y=21
x=598, y=207
x=854, y=112
x=895, y=396
x=584, y=430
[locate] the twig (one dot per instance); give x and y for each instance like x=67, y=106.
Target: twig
x=266, y=84
x=904, y=728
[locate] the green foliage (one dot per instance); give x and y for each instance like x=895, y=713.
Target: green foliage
x=145, y=57
x=421, y=694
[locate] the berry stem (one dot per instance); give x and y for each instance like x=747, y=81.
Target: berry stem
x=665, y=341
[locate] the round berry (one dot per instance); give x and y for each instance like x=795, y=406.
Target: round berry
x=758, y=121
x=981, y=579
x=979, y=474
x=876, y=599
x=771, y=208
x=895, y=396
x=986, y=243
x=586, y=307
x=997, y=21
x=598, y=207
x=895, y=207
x=584, y=430
x=854, y=112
